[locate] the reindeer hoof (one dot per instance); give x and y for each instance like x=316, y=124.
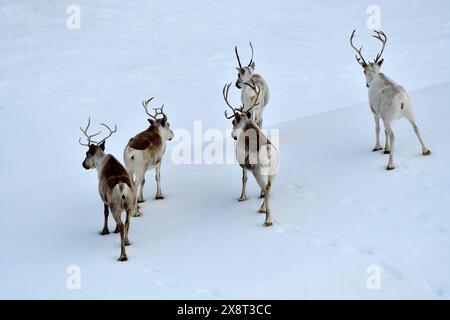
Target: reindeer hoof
x=159, y=197
x=104, y=232
x=426, y=153
x=268, y=224
x=127, y=243
x=387, y=151
x=140, y=201
x=137, y=214
x=376, y=149
x=122, y=258
x=390, y=168
x=117, y=230
x=245, y=198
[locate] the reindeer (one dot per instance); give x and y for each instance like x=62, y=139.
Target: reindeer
x=387, y=100
x=146, y=150
x=254, y=151
x=248, y=97
x=114, y=185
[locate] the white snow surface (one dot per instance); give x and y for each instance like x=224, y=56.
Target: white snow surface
x=336, y=210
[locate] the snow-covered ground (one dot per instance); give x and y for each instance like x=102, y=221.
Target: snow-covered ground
x=336, y=211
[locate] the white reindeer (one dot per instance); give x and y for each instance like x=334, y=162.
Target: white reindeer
x=146, y=150
x=387, y=100
x=248, y=96
x=114, y=185
x=254, y=152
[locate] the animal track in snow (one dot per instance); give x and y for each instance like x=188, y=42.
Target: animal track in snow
x=362, y=207
x=425, y=179
x=298, y=190
x=150, y=272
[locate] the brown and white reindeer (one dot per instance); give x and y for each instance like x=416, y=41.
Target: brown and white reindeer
x=248, y=97
x=254, y=151
x=387, y=100
x=114, y=185
x=146, y=150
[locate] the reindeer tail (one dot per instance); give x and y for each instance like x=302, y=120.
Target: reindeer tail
x=122, y=193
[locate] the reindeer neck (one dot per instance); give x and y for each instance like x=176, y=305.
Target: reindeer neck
x=251, y=125
x=380, y=80
x=99, y=159
x=153, y=128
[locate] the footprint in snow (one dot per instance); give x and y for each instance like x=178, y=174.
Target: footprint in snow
x=151, y=272
x=363, y=208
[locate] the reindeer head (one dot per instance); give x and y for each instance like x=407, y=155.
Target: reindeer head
x=244, y=73
x=159, y=122
x=95, y=148
x=242, y=118
x=371, y=69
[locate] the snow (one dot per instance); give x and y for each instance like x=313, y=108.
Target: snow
x=336, y=210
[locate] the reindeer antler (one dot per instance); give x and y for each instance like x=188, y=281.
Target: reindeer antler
x=382, y=37
x=237, y=56
x=239, y=60
x=158, y=111
x=145, y=105
x=251, y=60
x=361, y=58
x=110, y=132
x=89, y=136
x=225, y=90
x=257, y=90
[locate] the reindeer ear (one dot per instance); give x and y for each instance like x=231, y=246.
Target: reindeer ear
x=248, y=114
x=163, y=121
x=151, y=121
x=380, y=62
x=102, y=145
x=253, y=65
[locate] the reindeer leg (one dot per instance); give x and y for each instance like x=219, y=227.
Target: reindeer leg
x=244, y=186
x=159, y=194
x=388, y=127
x=387, y=148
x=127, y=226
x=263, y=193
x=425, y=150
x=136, y=212
x=123, y=255
x=262, y=182
x=377, y=133
x=268, y=221
x=105, y=230
x=140, y=181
